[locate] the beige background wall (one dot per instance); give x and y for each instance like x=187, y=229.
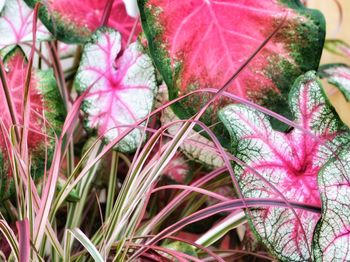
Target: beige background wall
x=330, y=10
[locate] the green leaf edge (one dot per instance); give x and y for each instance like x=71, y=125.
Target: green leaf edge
x=63, y=31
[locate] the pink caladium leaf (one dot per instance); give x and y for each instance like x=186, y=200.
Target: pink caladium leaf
x=337, y=46
x=75, y=21
x=178, y=169
x=121, y=89
x=339, y=76
x=16, y=23
x=46, y=112
x=289, y=161
x=332, y=235
x=201, y=43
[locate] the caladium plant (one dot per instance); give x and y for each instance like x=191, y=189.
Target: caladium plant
x=120, y=90
x=75, y=21
x=332, y=236
x=46, y=112
x=290, y=162
x=201, y=43
x=16, y=23
x=339, y=76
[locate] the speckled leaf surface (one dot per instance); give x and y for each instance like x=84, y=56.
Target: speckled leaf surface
x=289, y=161
x=339, y=76
x=121, y=90
x=44, y=101
x=332, y=235
x=16, y=23
x=201, y=43
x=75, y=21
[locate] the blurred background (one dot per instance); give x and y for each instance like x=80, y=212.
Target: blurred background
x=336, y=30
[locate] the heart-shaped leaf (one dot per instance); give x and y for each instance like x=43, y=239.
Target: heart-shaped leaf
x=121, y=89
x=45, y=101
x=289, y=161
x=339, y=76
x=74, y=21
x=332, y=235
x=337, y=46
x=201, y=43
x=16, y=23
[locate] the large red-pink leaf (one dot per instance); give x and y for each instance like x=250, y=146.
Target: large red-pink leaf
x=337, y=46
x=289, y=161
x=121, y=89
x=74, y=21
x=202, y=43
x=16, y=23
x=339, y=76
x=332, y=234
x=45, y=102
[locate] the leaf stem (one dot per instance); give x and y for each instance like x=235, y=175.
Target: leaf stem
x=10, y=104
x=107, y=12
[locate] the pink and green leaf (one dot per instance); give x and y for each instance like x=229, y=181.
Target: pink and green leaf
x=201, y=43
x=75, y=21
x=332, y=235
x=16, y=23
x=337, y=46
x=337, y=75
x=290, y=162
x=45, y=107
x=121, y=89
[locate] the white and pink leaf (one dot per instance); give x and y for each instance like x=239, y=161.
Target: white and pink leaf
x=332, y=235
x=16, y=24
x=121, y=89
x=290, y=162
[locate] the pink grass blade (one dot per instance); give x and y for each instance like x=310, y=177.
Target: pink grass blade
x=337, y=46
x=10, y=237
x=24, y=240
x=44, y=101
